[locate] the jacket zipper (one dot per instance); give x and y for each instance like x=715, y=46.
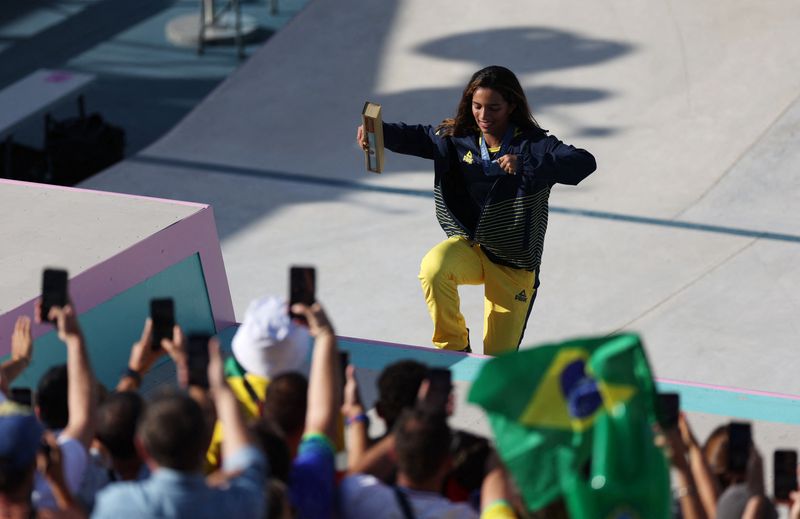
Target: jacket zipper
x=483, y=208
x=471, y=236
x=486, y=202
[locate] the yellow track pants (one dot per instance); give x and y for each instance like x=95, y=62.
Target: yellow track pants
x=508, y=296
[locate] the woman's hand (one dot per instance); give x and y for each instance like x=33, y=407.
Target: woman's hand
x=361, y=139
x=508, y=163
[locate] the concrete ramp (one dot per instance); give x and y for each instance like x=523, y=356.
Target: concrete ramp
x=120, y=251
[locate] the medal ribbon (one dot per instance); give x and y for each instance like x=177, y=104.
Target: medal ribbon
x=491, y=167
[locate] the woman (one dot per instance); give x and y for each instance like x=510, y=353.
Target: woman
x=493, y=171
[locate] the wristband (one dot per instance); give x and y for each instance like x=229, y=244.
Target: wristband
x=132, y=373
x=363, y=418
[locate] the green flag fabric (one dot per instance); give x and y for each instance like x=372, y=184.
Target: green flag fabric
x=575, y=420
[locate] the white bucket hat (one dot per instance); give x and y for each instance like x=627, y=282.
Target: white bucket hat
x=268, y=343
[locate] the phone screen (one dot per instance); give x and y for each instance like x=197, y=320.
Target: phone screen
x=197, y=359
x=784, y=465
x=668, y=410
x=439, y=388
x=54, y=290
x=162, y=313
x=22, y=396
x=739, y=442
x=302, y=287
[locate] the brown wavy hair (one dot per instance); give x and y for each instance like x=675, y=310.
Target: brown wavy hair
x=502, y=81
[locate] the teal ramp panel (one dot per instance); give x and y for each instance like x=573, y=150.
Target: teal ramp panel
x=731, y=402
x=739, y=404
x=113, y=326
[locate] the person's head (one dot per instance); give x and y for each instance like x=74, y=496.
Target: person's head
x=51, y=398
x=173, y=432
x=715, y=451
x=20, y=438
x=270, y=438
x=117, y=419
x=492, y=99
x=422, y=444
x=268, y=342
x=398, y=385
x=286, y=401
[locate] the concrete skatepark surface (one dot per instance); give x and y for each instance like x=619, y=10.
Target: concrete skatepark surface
x=685, y=233
x=688, y=232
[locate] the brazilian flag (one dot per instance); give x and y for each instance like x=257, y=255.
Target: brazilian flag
x=575, y=420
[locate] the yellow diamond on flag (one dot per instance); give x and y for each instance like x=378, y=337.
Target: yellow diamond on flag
x=568, y=398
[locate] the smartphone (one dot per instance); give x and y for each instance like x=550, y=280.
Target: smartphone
x=669, y=408
x=439, y=387
x=22, y=396
x=162, y=313
x=197, y=359
x=739, y=443
x=344, y=360
x=784, y=466
x=302, y=288
x=54, y=290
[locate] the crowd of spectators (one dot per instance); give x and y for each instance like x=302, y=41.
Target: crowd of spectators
x=257, y=437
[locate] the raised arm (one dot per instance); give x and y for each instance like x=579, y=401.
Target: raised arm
x=690, y=504
x=356, y=421
x=80, y=380
x=324, y=396
x=553, y=161
x=707, y=488
x=236, y=435
x=496, y=492
x=244, y=494
x=21, y=350
x=418, y=140
x=142, y=358
x=379, y=460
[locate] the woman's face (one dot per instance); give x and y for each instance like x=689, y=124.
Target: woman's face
x=491, y=111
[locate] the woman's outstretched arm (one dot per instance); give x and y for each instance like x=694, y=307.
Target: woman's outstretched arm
x=418, y=140
x=557, y=162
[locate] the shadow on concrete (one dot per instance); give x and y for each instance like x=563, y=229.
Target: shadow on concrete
x=530, y=50
x=147, y=106
x=260, y=35
x=526, y=49
x=54, y=46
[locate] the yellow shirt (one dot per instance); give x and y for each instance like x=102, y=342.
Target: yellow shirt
x=250, y=409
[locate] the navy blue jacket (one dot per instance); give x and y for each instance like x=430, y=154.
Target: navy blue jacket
x=509, y=218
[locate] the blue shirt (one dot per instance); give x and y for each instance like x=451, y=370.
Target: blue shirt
x=171, y=494
x=312, y=480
